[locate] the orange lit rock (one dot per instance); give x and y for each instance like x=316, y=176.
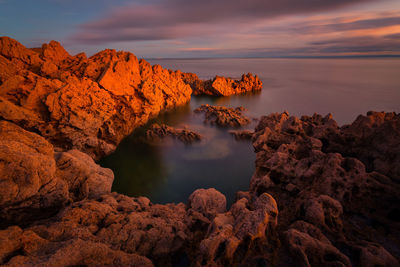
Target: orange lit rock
x=85, y=103
x=221, y=86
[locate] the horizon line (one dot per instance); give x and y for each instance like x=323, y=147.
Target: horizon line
x=271, y=57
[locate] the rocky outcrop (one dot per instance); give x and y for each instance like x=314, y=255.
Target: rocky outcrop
x=305, y=207
x=36, y=182
x=321, y=195
x=83, y=103
x=223, y=116
x=157, y=132
x=332, y=209
x=221, y=86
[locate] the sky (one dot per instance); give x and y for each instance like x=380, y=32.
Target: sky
x=208, y=28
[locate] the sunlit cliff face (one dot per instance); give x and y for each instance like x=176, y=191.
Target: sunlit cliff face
x=178, y=28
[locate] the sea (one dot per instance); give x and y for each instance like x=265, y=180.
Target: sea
x=169, y=171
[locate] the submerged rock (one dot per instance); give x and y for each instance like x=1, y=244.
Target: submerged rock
x=221, y=86
x=185, y=135
x=242, y=134
x=223, y=116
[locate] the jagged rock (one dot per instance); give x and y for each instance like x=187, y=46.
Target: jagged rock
x=90, y=231
x=221, y=86
x=373, y=139
x=332, y=192
x=223, y=116
x=89, y=104
x=234, y=236
x=309, y=251
x=158, y=131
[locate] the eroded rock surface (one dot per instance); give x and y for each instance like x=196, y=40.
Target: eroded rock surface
x=332, y=210
x=159, y=131
x=221, y=86
x=223, y=116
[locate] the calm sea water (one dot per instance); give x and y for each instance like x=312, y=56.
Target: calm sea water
x=170, y=171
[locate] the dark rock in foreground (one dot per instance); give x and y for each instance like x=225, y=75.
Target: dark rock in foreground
x=305, y=207
x=157, y=132
x=223, y=116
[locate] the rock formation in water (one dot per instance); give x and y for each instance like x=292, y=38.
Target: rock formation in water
x=242, y=134
x=221, y=86
x=223, y=116
x=321, y=195
x=159, y=131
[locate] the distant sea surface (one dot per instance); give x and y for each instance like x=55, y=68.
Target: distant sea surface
x=170, y=171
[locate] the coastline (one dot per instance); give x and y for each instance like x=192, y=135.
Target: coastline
x=64, y=203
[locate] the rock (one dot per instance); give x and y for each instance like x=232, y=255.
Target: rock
x=26, y=248
x=234, y=236
x=89, y=104
x=29, y=187
x=114, y=229
x=373, y=139
x=84, y=177
x=221, y=86
x=185, y=135
x=309, y=251
x=223, y=116
x=208, y=202
x=336, y=195
x=242, y=134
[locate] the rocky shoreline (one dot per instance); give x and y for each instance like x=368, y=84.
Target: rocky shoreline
x=321, y=195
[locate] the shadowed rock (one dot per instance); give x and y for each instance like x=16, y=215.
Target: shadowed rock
x=185, y=135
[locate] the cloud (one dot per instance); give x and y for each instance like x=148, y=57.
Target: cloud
x=361, y=24
x=173, y=19
x=361, y=44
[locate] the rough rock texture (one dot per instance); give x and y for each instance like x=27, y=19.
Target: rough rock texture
x=83, y=103
x=223, y=116
x=36, y=182
x=185, y=135
x=332, y=210
x=221, y=86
